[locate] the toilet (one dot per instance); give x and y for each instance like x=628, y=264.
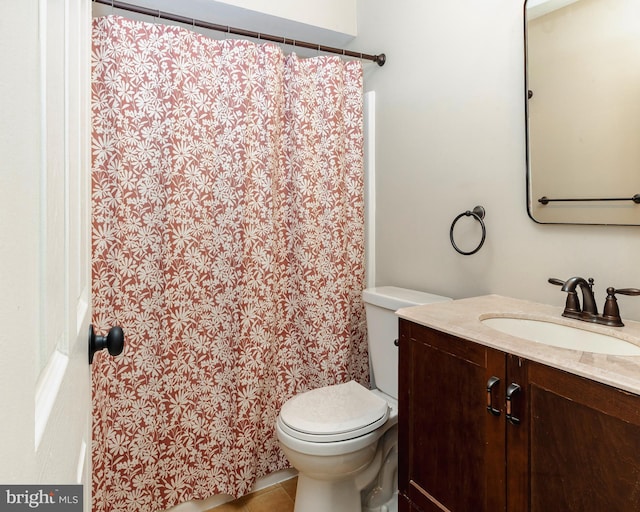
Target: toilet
x=342, y=439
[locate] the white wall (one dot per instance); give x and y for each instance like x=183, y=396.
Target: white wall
x=329, y=22
x=450, y=135
x=336, y=15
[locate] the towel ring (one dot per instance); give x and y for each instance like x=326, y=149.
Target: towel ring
x=478, y=214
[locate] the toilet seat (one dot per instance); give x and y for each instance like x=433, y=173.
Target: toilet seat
x=333, y=413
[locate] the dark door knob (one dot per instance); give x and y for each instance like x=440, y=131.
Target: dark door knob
x=113, y=342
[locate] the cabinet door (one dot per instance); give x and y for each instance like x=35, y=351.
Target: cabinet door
x=404, y=505
x=452, y=449
x=584, y=444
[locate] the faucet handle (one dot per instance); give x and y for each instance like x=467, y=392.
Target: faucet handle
x=611, y=312
x=556, y=281
x=626, y=291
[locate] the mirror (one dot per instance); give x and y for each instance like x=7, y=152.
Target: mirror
x=583, y=111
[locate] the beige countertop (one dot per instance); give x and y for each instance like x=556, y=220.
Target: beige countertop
x=463, y=317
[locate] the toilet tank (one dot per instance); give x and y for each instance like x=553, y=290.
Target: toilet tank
x=381, y=303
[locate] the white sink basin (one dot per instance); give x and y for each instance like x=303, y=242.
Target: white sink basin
x=562, y=336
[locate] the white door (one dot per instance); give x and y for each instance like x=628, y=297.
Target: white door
x=45, y=299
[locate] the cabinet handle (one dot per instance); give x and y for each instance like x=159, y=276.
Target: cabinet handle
x=491, y=383
x=512, y=390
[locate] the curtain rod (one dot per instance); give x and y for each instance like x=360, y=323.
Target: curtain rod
x=378, y=59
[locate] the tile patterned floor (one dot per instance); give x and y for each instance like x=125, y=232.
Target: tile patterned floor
x=277, y=498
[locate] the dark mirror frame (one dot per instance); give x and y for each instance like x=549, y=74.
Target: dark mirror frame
x=591, y=185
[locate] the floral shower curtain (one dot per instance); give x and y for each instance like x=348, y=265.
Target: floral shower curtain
x=228, y=243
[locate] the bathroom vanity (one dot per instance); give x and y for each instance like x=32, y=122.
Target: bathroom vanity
x=490, y=421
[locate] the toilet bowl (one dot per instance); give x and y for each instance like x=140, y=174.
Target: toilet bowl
x=342, y=453
x=342, y=439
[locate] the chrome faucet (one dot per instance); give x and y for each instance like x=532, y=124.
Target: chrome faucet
x=589, y=311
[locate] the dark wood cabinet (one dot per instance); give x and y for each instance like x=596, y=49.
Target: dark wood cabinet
x=451, y=450
x=482, y=430
x=584, y=440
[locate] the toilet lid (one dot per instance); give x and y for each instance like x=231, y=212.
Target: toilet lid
x=337, y=409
